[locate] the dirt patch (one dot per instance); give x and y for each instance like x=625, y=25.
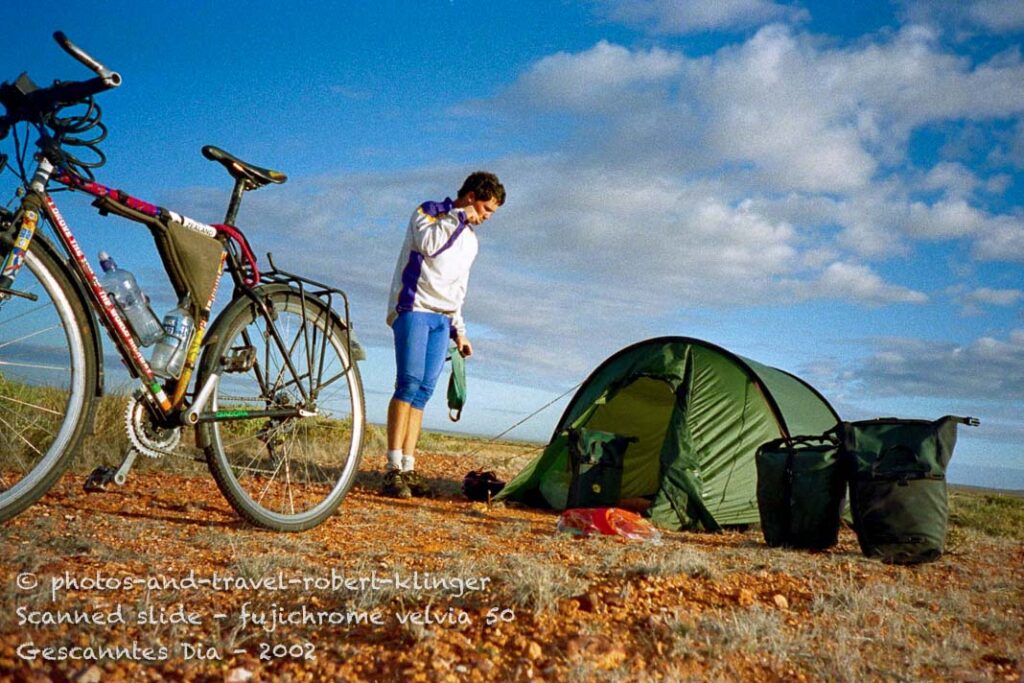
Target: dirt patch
x=449, y=590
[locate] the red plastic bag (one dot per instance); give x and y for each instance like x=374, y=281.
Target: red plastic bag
x=608, y=522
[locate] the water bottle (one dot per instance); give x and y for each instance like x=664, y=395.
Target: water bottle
x=169, y=354
x=129, y=299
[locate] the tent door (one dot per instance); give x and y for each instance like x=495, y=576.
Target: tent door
x=642, y=409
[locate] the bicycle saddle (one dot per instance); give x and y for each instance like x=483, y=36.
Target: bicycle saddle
x=253, y=176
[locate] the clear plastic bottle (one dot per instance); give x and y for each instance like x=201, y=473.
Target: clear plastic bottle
x=169, y=354
x=129, y=299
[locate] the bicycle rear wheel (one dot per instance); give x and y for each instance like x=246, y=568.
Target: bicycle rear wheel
x=288, y=471
x=47, y=380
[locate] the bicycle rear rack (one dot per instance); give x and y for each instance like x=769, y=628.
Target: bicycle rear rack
x=324, y=293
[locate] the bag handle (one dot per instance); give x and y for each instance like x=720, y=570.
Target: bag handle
x=921, y=471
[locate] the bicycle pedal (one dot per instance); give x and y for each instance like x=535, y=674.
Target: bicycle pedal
x=99, y=479
x=239, y=360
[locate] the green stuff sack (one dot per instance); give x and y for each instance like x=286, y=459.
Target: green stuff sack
x=898, y=493
x=801, y=489
x=456, y=385
x=596, y=464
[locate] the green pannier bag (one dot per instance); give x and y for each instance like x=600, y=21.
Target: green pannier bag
x=801, y=489
x=898, y=496
x=595, y=460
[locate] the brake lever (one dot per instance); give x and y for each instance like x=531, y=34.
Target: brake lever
x=111, y=78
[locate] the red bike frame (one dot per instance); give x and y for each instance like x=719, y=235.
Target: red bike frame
x=137, y=364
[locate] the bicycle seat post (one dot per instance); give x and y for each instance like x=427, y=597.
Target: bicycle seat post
x=236, y=201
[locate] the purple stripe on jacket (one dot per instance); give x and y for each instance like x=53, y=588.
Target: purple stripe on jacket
x=412, y=270
x=451, y=240
x=435, y=209
x=410, y=278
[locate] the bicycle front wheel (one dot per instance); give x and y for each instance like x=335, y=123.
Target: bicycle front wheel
x=286, y=439
x=47, y=380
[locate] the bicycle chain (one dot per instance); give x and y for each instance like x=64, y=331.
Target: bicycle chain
x=135, y=427
x=136, y=421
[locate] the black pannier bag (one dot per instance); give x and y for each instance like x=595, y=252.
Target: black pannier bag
x=898, y=494
x=596, y=460
x=801, y=489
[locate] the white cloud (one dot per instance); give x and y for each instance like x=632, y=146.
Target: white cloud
x=1010, y=147
x=1002, y=240
x=998, y=15
x=852, y=282
x=773, y=168
x=966, y=19
x=767, y=104
x=782, y=111
x=954, y=179
x=674, y=17
x=987, y=368
x=944, y=219
x=603, y=78
x=584, y=255
x=993, y=297
x=675, y=240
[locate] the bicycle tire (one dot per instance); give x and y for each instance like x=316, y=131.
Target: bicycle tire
x=318, y=453
x=48, y=376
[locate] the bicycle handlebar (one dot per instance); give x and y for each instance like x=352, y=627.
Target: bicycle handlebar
x=61, y=94
x=112, y=79
x=24, y=101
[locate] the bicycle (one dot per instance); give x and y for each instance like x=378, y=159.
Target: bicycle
x=277, y=405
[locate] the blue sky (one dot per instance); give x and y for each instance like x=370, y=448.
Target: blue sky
x=833, y=189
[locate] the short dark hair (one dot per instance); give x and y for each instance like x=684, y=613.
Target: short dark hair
x=484, y=186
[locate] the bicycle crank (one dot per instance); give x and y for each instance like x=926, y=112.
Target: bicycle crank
x=144, y=435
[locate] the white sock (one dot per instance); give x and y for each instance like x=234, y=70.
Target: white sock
x=408, y=462
x=395, y=459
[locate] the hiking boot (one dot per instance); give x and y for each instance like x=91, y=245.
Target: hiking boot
x=395, y=485
x=417, y=484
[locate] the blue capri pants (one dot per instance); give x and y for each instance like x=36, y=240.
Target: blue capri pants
x=421, y=344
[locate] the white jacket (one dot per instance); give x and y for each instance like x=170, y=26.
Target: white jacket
x=432, y=272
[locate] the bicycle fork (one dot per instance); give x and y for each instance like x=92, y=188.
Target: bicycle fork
x=15, y=258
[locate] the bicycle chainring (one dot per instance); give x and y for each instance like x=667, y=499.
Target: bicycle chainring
x=145, y=437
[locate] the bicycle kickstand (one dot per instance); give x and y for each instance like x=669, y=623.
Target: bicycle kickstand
x=101, y=477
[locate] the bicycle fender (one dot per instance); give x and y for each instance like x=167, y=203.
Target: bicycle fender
x=82, y=293
x=207, y=364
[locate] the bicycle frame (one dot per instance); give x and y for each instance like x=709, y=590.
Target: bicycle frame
x=171, y=408
x=129, y=350
x=278, y=356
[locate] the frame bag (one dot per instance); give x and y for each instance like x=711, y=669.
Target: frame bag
x=801, y=490
x=192, y=260
x=898, y=495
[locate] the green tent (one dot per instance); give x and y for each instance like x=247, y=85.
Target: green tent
x=695, y=414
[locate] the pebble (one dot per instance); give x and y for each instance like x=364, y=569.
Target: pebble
x=93, y=674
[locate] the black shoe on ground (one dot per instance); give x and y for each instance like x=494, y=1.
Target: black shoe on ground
x=395, y=485
x=418, y=486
